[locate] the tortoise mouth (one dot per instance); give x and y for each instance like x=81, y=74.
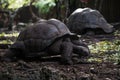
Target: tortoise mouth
x=108, y=28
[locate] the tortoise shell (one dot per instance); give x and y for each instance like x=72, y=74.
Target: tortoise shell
x=42, y=34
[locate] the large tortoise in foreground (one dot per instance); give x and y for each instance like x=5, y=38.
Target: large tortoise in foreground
x=85, y=20
x=47, y=38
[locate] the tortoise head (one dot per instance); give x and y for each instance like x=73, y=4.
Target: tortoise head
x=96, y=20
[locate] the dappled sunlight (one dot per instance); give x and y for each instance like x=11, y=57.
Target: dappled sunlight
x=15, y=34
x=14, y=4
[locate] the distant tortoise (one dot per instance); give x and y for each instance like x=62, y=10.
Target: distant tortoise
x=47, y=38
x=87, y=21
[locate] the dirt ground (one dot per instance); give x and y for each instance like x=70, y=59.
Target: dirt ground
x=30, y=70
x=50, y=69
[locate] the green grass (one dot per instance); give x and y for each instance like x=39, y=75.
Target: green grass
x=106, y=50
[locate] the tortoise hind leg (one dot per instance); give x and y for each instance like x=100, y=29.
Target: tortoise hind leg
x=8, y=56
x=16, y=50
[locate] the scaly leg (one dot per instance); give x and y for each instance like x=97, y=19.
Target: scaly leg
x=66, y=48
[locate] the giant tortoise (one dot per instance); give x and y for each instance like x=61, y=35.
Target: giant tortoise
x=47, y=38
x=85, y=20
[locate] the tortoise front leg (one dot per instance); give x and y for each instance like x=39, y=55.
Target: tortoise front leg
x=66, y=50
x=8, y=56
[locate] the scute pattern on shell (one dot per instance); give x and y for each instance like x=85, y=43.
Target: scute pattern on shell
x=40, y=35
